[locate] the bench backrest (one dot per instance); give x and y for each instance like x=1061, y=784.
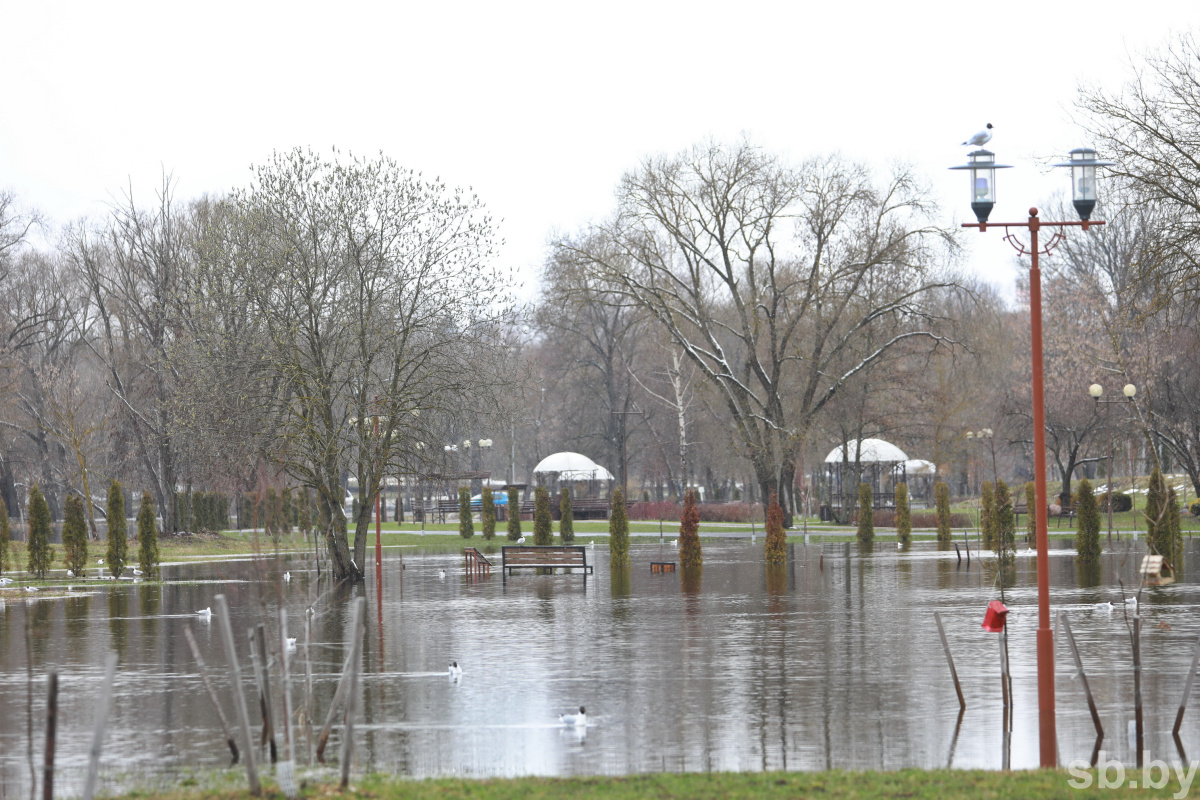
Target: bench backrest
x=565, y=555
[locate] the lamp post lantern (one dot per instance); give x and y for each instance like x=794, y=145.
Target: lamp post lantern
x=1097, y=391
x=1083, y=164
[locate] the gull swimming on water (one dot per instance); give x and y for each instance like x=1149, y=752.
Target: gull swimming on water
x=205, y=613
x=1105, y=606
x=455, y=670
x=579, y=719
x=287, y=577
x=521, y=540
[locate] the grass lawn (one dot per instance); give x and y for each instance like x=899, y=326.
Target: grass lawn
x=832, y=785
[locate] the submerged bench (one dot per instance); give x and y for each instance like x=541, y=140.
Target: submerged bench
x=570, y=557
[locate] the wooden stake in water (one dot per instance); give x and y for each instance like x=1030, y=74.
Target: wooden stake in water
x=308, y=700
x=285, y=771
x=102, y=709
x=51, y=733
x=1087, y=690
x=239, y=697
x=355, y=649
x=258, y=645
x=191, y=640
x=1187, y=690
x=339, y=696
x=962, y=703
x=1137, y=684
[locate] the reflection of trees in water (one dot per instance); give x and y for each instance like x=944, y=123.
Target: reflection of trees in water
x=945, y=573
x=118, y=626
x=620, y=584
x=1089, y=574
x=689, y=583
x=777, y=585
x=76, y=612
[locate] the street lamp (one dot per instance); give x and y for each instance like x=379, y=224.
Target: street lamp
x=1083, y=169
x=990, y=436
x=1097, y=391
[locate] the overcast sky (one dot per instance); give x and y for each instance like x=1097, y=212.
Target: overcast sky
x=541, y=107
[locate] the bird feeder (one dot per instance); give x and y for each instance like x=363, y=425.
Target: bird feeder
x=1083, y=165
x=993, y=619
x=983, y=166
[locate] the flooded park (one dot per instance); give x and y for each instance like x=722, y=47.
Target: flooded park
x=833, y=661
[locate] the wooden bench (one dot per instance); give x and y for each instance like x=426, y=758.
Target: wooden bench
x=437, y=511
x=570, y=557
x=1067, y=514
x=590, y=508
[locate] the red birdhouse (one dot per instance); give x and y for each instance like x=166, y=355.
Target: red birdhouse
x=993, y=620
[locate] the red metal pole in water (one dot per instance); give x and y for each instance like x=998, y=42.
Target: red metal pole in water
x=378, y=518
x=1045, y=635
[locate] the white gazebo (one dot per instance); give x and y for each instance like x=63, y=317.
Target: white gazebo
x=585, y=477
x=920, y=476
x=880, y=464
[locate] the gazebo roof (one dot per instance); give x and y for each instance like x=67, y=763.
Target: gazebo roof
x=872, y=451
x=573, y=467
x=919, y=466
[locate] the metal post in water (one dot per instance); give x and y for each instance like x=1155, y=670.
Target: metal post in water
x=102, y=709
x=51, y=733
x=1187, y=690
x=1137, y=684
x=937, y=616
x=355, y=651
x=239, y=697
x=191, y=640
x=1087, y=690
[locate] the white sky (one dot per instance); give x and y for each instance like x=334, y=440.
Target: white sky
x=541, y=107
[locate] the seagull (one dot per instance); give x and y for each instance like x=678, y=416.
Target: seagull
x=674, y=543
x=899, y=546
x=31, y=588
x=983, y=137
x=455, y=670
x=137, y=571
x=1131, y=601
x=521, y=540
x=99, y=560
x=5, y=581
x=579, y=720
x=291, y=643
x=70, y=574
x=1105, y=606
x=205, y=613
x=441, y=574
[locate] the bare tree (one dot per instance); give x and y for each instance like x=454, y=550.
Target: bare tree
x=760, y=273
x=365, y=282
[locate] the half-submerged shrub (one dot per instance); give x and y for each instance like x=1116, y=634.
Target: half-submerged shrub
x=1004, y=524
x=903, y=516
x=487, y=516
x=39, y=556
x=942, y=493
x=1158, y=533
x=618, y=531
x=987, y=516
x=866, y=516
x=514, y=514
x=566, y=525
x=1031, y=508
x=74, y=535
x=116, y=553
x=543, y=525
x=690, y=555
x=776, y=546
x=1087, y=531
x=5, y=536
x=147, y=536
x=466, y=525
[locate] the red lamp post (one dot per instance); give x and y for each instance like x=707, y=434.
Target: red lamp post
x=1083, y=165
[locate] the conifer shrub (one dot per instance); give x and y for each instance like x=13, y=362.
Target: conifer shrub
x=466, y=524
x=487, y=516
x=987, y=516
x=287, y=511
x=304, y=511
x=1031, y=508
x=566, y=524
x=776, y=545
x=1120, y=502
x=116, y=552
x=147, y=537
x=270, y=517
x=39, y=555
x=1004, y=524
x=1087, y=529
x=5, y=538
x=1194, y=507
x=866, y=516
x=942, y=494
x=690, y=555
x=618, y=531
x=74, y=535
x=1174, y=531
x=543, y=525
x=513, y=527
x=903, y=516
x=1158, y=534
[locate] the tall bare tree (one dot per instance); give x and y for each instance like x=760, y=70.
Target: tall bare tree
x=760, y=273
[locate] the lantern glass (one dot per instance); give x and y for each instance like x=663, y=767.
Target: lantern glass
x=983, y=185
x=1083, y=183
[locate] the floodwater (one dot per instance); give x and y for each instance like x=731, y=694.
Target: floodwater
x=829, y=662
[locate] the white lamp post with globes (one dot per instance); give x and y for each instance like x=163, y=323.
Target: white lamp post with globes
x=1097, y=391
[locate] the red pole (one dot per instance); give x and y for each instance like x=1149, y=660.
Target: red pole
x=378, y=519
x=1045, y=635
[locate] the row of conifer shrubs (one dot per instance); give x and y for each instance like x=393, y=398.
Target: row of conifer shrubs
x=41, y=555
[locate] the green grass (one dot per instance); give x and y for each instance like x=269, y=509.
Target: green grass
x=831, y=785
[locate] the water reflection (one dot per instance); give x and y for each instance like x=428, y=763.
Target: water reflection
x=832, y=660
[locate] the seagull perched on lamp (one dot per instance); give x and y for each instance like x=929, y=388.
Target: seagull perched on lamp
x=981, y=138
